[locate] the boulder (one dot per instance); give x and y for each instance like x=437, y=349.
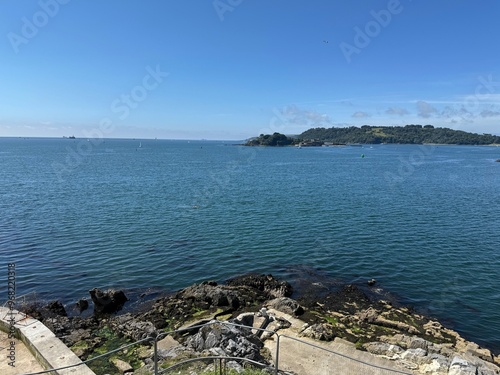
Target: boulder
x=265, y=283
x=207, y=295
x=436, y=364
x=56, y=308
x=418, y=343
x=318, y=332
x=460, y=366
x=107, y=302
x=122, y=366
x=82, y=305
x=230, y=340
x=382, y=348
x=132, y=327
x=286, y=305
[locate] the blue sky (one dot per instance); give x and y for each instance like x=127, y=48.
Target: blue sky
x=232, y=69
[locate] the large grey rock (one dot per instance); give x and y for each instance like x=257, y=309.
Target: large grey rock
x=286, y=305
x=230, y=340
x=212, y=295
x=318, y=332
x=418, y=343
x=265, y=283
x=414, y=355
x=435, y=364
x=107, y=302
x=122, y=366
x=382, y=348
x=460, y=366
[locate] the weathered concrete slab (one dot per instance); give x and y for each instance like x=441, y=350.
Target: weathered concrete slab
x=310, y=359
x=49, y=351
x=25, y=362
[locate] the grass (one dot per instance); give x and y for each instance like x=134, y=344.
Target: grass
x=112, y=342
x=332, y=320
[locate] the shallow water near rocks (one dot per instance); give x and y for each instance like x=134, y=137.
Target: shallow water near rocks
x=422, y=220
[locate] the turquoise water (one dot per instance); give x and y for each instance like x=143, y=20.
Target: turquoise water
x=422, y=220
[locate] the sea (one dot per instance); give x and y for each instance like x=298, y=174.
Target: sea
x=423, y=220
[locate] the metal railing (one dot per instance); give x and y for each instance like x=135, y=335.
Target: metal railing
x=337, y=360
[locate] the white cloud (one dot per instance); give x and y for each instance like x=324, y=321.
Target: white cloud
x=489, y=113
x=425, y=110
x=295, y=115
x=360, y=114
x=397, y=111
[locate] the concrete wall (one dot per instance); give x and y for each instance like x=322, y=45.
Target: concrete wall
x=43, y=344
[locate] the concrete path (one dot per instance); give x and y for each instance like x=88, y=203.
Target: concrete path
x=304, y=359
x=25, y=361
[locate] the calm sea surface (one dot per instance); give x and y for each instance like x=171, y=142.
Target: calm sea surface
x=422, y=220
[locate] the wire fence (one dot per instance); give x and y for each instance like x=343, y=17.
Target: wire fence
x=286, y=351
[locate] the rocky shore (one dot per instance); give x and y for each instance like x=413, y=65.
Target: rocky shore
x=414, y=343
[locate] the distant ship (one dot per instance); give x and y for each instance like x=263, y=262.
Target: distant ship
x=72, y=137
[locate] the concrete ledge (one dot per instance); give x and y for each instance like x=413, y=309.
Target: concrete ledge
x=50, y=352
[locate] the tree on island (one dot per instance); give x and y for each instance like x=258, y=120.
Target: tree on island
x=275, y=139
x=409, y=134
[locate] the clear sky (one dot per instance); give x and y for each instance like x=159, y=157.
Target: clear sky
x=232, y=69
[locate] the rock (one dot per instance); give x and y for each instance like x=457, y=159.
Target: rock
x=477, y=351
x=133, y=328
x=318, y=332
x=400, y=326
x=437, y=364
x=211, y=283
x=82, y=305
x=174, y=352
x=76, y=336
x=372, y=282
x=233, y=341
x=265, y=283
x=56, y=308
x=382, y=348
x=245, y=319
x=206, y=296
x=167, y=343
x=418, y=343
x=414, y=355
x=369, y=315
x=460, y=366
x=107, y=302
x=122, y=366
x=286, y=305
x=145, y=352
x=275, y=325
